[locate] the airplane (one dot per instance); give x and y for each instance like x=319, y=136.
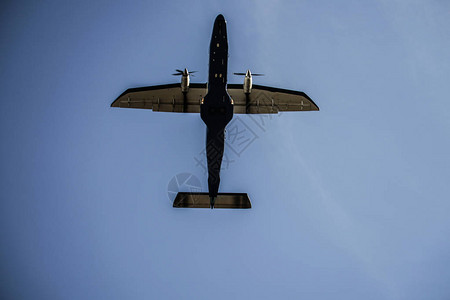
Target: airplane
x=216, y=101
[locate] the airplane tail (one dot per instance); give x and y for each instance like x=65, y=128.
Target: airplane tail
x=202, y=200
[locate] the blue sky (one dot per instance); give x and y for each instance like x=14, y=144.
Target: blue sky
x=350, y=202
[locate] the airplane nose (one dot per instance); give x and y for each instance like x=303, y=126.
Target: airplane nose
x=220, y=26
x=248, y=74
x=220, y=18
x=186, y=71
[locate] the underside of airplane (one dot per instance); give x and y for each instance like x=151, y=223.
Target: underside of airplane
x=216, y=101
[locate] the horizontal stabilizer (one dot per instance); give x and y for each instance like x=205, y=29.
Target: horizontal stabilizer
x=202, y=200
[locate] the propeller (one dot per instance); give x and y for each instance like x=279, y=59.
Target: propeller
x=253, y=74
x=181, y=72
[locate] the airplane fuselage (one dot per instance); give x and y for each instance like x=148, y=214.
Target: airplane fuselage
x=217, y=108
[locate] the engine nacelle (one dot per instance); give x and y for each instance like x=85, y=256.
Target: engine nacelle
x=248, y=84
x=185, y=82
x=248, y=80
x=184, y=79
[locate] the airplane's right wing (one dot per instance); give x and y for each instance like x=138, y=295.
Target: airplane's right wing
x=268, y=100
x=167, y=98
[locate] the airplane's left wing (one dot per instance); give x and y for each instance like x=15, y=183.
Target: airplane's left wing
x=268, y=100
x=168, y=98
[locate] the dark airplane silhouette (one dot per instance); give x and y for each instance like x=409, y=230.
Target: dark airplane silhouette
x=216, y=109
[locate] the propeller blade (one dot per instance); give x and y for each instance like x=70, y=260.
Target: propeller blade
x=256, y=74
x=181, y=72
